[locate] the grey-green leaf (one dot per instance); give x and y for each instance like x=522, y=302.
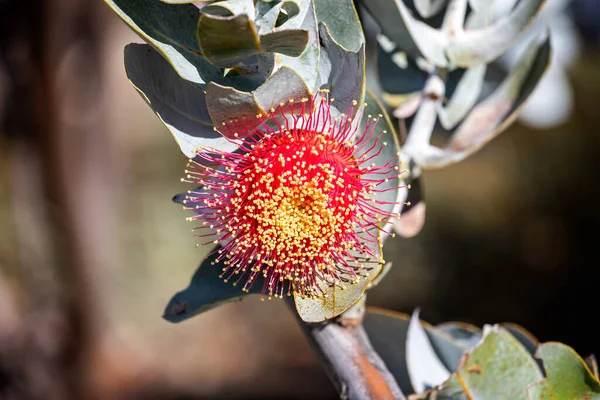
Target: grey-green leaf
x=567, y=374
x=412, y=36
x=171, y=29
x=497, y=111
x=225, y=104
x=290, y=42
x=206, y=291
x=283, y=86
x=539, y=391
x=342, y=21
x=307, y=64
x=227, y=40
x=486, y=44
x=499, y=368
x=179, y=104
x=464, y=98
x=342, y=72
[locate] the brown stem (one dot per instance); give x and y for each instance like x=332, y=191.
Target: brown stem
x=356, y=370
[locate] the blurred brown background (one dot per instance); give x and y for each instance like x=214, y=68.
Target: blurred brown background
x=91, y=248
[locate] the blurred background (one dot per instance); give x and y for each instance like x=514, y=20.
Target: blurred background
x=91, y=247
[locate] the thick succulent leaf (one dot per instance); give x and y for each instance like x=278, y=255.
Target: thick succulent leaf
x=179, y=104
x=388, y=332
x=464, y=98
x=429, y=8
x=338, y=299
x=341, y=71
x=342, y=22
x=497, y=111
x=225, y=104
x=499, y=368
x=539, y=391
x=484, y=45
x=226, y=41
x=283, y=86
x=466, y=335
x=307, y=64
x=170, y=29
x=413, y=36
x=424, y=367
x=206, y=291
x=567, y=374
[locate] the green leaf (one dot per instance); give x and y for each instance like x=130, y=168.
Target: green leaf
x=339, y=298
x=412, y=36
x=499, y=368
x=179, y=104
x=483, y=45
x=342, y=22
x=226, y=41
x=206, y=291
x=342, y=72
x=170, y=29
x=539, y=391
x=388, y=330
x=290, y=42
x=497, y=111
x=567, y=374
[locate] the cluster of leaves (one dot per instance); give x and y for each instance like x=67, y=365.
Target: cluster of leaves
x=434, y=63
x=204, y=65
x=501, y=361
x=238, y=58
x=212, y=62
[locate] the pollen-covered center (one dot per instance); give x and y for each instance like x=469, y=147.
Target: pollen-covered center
x=298, y=208
x=293, y=206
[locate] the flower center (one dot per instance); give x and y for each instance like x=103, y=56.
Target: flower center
x=295, y=208
x=295, y=203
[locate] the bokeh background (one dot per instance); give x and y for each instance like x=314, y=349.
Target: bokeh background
x=91, y=247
